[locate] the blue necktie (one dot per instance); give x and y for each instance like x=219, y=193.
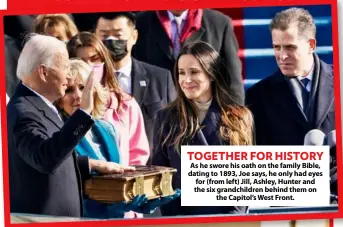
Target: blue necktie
x=305, y=81
x=305, y=93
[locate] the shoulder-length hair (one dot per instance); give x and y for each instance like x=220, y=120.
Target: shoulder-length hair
x=109, y=80
x=236, y=121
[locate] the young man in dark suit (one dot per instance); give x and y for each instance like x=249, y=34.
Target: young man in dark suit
x=151, y=86
x=45, y=173
x=163, y=33
x=299, y=96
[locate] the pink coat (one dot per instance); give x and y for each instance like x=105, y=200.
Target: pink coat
x=133, y=141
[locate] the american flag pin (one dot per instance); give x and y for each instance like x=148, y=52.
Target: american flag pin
x=142, y=83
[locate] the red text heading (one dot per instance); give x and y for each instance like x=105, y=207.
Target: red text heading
x=253, y=155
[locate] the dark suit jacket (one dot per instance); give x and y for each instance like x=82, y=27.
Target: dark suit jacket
x=16, y=26
x=278, y=119
x=45, y=174
x=166, y=155
x=12, y=52
x=154, y=46
x=158, y=92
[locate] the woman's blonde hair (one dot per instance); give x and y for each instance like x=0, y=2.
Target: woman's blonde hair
x=44, y=22
x=80, y=68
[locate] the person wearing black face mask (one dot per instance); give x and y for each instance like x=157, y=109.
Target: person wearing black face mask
x=118, y=48
x=151, y=86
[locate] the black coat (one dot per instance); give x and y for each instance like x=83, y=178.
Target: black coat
x=154, y=46
x=167, y=155
x=12, y=52
x=278, y=119
x=44, y=172
x=157, y=92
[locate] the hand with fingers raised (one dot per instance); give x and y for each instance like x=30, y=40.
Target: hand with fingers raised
x=87, y=100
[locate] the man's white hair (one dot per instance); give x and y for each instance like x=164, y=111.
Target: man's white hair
x=39, y=49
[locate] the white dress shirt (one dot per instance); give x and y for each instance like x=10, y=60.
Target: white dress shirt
x=180, y=20
x=124, y=79
x=310, y=77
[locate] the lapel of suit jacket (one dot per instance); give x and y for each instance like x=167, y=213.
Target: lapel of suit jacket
x=325, y=94
x=208, y=134
x=140, y=81
x=41, y=106
x=162, y=39
x=296, y=89
x=285, y=101
x=197, y=35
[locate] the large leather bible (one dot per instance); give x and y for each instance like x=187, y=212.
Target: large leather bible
x=153, y=181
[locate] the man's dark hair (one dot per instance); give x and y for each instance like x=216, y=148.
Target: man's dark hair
x=130, y=16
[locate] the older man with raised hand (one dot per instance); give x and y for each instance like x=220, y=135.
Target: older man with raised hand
x=45, y=173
